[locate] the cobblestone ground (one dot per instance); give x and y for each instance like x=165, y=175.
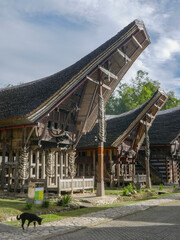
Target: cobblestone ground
x=53, y=229
x=162, y=222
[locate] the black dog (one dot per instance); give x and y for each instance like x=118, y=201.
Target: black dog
x=30, y=217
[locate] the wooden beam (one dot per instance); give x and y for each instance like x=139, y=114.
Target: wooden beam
x=108, y=73
x=160, y=99
x=150, y=115
x=123, y=55
x=137, y=41
x=94, y=81
x=158, y=107
x=144, y=122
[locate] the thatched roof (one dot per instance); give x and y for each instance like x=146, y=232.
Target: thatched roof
x=27, y=103
x=120, y=126
x=166, y=127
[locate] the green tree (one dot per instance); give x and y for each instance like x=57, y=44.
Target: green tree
x=130, y=96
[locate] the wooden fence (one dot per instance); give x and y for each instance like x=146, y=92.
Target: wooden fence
x=74, y=184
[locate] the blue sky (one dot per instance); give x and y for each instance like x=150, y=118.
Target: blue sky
x=41, y=37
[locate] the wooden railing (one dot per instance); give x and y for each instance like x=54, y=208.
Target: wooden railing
x=73, y=184
x=135, y=179
x=139, y=178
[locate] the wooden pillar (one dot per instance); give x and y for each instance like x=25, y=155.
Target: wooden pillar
x=56, y=168
x=147, y=156
x=118, y=174
x=37, y=165
x=43, y=166
x=66, y=165
x=3, y=160
x=10, y=170
x=84, y=169
x=172, y=171
x=61, y=165
x=94, y=163
x=125, y=170
x=100, y=183
x=16, y=179
x=89, y=169
x=111, y=165
x=134, y=168
x=77, y=169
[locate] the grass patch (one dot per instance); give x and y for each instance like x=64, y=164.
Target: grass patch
x=10, y=208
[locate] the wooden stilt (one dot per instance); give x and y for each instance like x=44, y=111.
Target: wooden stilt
x=3, y=160
x=147, y=156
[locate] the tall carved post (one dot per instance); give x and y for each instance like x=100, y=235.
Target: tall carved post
x=24, y=166
x=147, y=156
x=101, y=140
x=50, y=167
x=72, y=167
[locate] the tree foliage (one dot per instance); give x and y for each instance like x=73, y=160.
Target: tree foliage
x=130, y=96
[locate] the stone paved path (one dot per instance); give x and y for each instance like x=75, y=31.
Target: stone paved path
x=161, y=222
x=50, y=230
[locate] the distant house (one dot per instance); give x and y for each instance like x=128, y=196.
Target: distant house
x=125, y=135
x=165, y=145
x=41, y=122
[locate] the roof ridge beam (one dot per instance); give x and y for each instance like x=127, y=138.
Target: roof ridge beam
x=123, y=55
x=94, y=81
x=137, y=41
x=108, y=73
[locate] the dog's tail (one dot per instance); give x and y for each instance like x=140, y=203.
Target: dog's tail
x=18, y=218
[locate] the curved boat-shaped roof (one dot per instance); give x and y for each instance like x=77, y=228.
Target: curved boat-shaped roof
x=166, y=126
x=27, y=103
x=121, y=127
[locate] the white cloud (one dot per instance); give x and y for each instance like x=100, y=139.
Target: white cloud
x=41, y=37
x=165, y=48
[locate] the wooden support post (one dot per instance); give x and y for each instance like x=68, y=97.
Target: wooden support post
x=125, y=170
x=84, y=169
x=147, y=156
x=72, y=186
x=172, y=171
x=78, y=165
x=100, y=183
x=56, y=168
x=16, y=179
x=66, y=165
x=111, y=165
x=94, y=164
x=83, y=184
x=30, y=164
x=10, y=170
x=61, y=166
x=43, y=162
x=89, y=169
x=37, y=165
x=3, y=160
x=118, y=174
x=59, y=186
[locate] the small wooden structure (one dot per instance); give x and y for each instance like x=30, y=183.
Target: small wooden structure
x=165, y=147
x=41, y=122
x=125, y=135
